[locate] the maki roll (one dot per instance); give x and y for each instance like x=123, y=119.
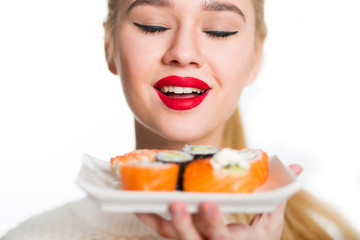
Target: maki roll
x=176, y=157
x=200, y=151
x=137, y=156
x=229, y=170
x=149, y=176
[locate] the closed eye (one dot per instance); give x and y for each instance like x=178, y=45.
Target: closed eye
x=151, y=28
x=219, y=34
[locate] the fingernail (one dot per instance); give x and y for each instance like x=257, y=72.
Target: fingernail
x=296, y=168
x=299, y=170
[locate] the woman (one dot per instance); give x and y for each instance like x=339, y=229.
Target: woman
x=183, y=65
x=219, y=42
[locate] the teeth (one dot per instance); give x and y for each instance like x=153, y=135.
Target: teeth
x=187, y=90
x=180, y=90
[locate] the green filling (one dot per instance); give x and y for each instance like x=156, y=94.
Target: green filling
x=200, y=148
x=176, y=156
x=172, y=154
x=235, y=169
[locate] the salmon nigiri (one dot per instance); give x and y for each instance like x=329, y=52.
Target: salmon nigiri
x=228, y=171
x=152, y=176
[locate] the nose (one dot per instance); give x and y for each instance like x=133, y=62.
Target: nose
x=183, y=50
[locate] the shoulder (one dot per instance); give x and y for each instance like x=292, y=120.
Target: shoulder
x=51, y=225
x=80, y=220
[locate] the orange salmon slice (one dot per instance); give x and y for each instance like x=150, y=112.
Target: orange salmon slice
x=201, y=176
x=149, y=177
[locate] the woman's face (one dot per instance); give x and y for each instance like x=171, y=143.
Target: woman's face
x=183, y=63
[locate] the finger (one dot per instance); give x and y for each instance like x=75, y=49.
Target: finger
x=296, y=169
x=161, y=226
x=263, y=226
x=245, y=231
x=270, y=223
x=182, y=222
x=274, y=218
x=212, y=222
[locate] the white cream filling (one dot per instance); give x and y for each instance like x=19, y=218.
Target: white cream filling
x=174, y=156
x=181, y=90
x=231, y=158
x=149, y=164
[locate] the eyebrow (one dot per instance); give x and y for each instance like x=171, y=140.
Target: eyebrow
x=219, y=6
x=157, y=3
x=208, y=5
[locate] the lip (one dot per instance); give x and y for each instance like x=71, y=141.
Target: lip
x=181, y=82
x=181, y=104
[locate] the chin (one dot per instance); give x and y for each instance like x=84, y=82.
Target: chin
x=183, y=132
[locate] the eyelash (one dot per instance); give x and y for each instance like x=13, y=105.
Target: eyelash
x=152, y=29
x=219, y=34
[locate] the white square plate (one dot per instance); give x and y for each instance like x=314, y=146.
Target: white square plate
x=99, y=182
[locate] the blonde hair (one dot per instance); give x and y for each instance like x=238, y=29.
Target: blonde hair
x=111, y=17
x=303, y=209
x=304, y=213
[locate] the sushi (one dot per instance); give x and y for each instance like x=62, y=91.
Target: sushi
x=175, y=157
x=137, y=156
x=149, y=176
x=229, y=170
x=200, y=151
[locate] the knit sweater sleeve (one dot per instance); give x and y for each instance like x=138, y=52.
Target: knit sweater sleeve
x=81, y=220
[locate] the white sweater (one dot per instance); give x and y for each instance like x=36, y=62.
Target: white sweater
x=82, y=220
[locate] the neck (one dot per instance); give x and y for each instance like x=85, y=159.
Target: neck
x=147, y=139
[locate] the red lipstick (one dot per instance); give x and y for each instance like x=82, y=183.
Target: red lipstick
x=181, y=101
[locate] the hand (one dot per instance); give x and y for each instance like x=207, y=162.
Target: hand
x=208, y=223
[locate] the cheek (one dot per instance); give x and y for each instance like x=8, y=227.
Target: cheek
x=232, y=67
x=134, y=58
x=137, y=64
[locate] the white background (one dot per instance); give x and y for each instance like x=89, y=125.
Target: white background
x=58, y=100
